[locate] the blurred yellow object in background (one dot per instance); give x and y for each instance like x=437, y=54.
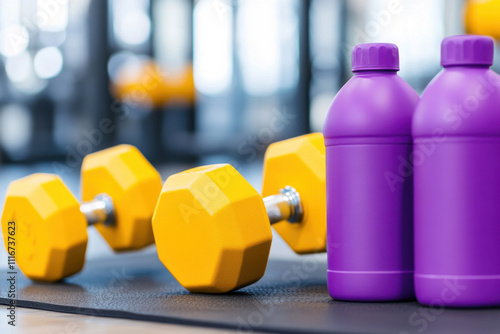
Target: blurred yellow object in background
x=482, y=17
x=180, y=86
x=149, y=85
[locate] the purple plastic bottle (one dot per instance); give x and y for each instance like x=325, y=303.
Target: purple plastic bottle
x=369, y=188
x=456, y=131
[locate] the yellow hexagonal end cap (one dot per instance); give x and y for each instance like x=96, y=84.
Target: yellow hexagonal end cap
x=211, y=229
x=123, y=173
x=300, y=163
x=42, y=224
x=481, y=17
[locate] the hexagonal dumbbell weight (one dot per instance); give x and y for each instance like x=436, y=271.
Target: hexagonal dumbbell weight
x=48, y=225
x=212, y=228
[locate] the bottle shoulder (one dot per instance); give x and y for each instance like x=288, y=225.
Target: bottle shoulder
x=372, y=106
x=460, y=102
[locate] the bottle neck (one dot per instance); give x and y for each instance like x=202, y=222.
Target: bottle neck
x=474, y=66
x=367, y=73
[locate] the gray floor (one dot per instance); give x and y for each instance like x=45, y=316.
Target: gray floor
x=44, y=322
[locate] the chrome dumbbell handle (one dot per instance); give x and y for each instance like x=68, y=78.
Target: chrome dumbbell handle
x=99, y=210
x=284, y=206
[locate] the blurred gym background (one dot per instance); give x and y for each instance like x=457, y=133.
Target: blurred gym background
x=184, y=79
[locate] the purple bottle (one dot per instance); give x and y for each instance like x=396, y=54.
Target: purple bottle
x=456, y=133
x=369, y=185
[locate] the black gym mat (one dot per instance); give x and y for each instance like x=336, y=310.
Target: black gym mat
x=291, y=298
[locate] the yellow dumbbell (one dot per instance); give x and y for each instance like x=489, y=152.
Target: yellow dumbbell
x=44, y=226
x=482, y=17
x=212, y=228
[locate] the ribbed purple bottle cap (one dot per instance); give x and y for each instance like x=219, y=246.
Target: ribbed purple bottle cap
x=467, y=50
x=375, y=56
